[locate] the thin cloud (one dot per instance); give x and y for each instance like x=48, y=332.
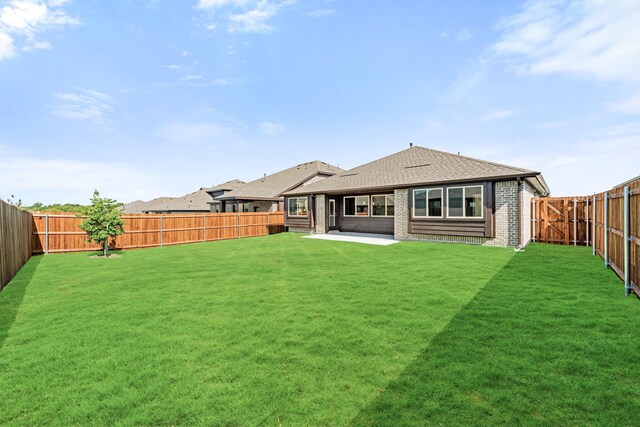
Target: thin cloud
x=84, y=105
x=71, y=180
x=270, y=128
x=496, y=115
x=322, y=13
x=243, y=16
x=22, y=20
x=584, y=39
x=467, y=80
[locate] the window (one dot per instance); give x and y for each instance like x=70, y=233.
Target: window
x=356, y=206
x=298, y=206
x=382, y=205
x=465, y=202
x=427, y=203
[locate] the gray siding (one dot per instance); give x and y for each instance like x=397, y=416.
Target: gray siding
x=372, y=224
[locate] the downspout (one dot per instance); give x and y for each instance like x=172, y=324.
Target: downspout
x=520, y=188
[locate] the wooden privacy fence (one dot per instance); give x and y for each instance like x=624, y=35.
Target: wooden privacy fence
x=15, y=241
x=608, y=221
x=60, y=232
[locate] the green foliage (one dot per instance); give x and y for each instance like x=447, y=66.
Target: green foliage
x=12, y=201
x=55, y=207
x=103, y=220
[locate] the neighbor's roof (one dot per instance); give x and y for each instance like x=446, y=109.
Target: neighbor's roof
x=272, y=186
x=416, y=166
x=140, y=207
x=196, y=201
x=229, y=185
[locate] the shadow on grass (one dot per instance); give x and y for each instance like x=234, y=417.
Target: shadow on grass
x=13, y=293
x=546, y=341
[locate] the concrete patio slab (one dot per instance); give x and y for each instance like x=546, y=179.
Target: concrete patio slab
x=366, y=238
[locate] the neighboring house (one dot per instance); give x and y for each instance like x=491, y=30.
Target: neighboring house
x=196, y=202
x=219, y=190
x=138, y=207
x=265, y=194
x=422, y=194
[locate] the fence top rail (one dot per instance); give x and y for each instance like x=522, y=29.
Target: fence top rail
x=157, y=216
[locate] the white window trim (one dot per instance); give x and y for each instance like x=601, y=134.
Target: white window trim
x=344, y=207
x=413, y=203
x=385, y=205
x=464, y=192
x=297, y=216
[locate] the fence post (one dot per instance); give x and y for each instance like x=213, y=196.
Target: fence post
x=268, y=222
x=627, y=241
x=575, y=222
x=238, y=225
x=606, y=230
x=204, y=232
x=46, y=233
x=160, y=230
x=586, y=224
x=594, y=225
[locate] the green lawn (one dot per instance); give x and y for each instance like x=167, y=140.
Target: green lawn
x=285, y=330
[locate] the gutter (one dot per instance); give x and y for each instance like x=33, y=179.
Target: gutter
x=403, y=186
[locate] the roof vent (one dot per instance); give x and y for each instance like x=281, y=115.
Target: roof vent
x=410, y=144
x=417, y=166
x=264, y=177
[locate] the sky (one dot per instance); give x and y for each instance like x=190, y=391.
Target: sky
x=141, y=99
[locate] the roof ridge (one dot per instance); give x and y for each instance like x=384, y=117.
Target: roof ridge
x=473, y=159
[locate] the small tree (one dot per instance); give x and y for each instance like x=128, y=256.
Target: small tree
x=103, y=221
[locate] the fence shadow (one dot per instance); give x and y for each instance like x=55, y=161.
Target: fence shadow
x=12, y=295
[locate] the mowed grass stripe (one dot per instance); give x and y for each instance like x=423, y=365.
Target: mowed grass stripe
x=549, y=341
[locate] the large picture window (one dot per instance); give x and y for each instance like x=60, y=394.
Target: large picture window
x=298, y=206
x=427, y=203
x=356, y=206
x=383, y=205
x=465, y=202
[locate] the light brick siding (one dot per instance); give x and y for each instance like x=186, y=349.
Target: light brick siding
x=263, y=206
x=505, y=217
x=401, y=220
x=528, y=193
x=320, y=214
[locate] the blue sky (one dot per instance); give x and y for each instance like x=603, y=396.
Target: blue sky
x=147, y=98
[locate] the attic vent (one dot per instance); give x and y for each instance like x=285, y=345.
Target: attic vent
x=349, y=174
x=417, y=166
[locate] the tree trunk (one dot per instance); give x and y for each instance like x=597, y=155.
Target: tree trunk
x=105, y=248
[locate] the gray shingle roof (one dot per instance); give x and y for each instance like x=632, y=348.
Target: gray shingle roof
x=272, y=186
x=140, y=207
x=196, y=201
x=416, y=165
x=229, y=185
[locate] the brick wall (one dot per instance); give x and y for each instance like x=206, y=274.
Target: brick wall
x=320, y=214
x=401, y=220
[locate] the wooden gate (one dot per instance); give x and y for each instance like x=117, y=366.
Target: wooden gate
x=562, y=220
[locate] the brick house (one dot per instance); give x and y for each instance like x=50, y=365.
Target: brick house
x=422, y=194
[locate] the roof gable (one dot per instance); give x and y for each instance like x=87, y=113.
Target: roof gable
x=272, y=186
